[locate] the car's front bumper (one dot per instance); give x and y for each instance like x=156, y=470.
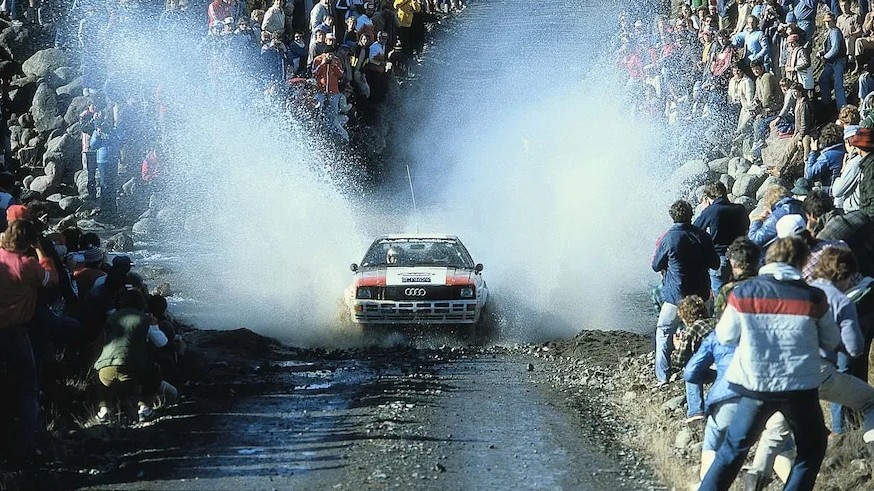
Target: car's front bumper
x=418, y=312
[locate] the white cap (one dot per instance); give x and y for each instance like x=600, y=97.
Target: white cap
x=790, y=225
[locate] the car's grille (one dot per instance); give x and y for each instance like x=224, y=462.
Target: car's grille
x=418, y=292
x=463, y=312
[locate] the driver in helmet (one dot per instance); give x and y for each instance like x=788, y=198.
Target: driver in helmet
x=392, y=256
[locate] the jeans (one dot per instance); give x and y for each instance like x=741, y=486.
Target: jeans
x=89, y=163
x=849, y=391
x=866, y=85
x=665, y=329
x=809, y=27
x=776, y=439
x=832, y=77
x=717, y=424
x=836, y=410
x=719, y=276
x=108, y=185
x=16, y=351
x=804, y=416
x=694, y=399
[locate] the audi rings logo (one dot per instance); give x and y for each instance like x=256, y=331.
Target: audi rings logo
x=414, y=292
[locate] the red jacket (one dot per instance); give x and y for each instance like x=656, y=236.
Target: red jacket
x=328, y=75
x=20, y=278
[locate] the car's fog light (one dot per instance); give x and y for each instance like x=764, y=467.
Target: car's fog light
x=364, y=293
x=467, y=292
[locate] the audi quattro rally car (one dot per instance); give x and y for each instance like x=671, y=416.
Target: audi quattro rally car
x=417, y=279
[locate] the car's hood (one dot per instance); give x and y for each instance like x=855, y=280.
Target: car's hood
x=397, y=276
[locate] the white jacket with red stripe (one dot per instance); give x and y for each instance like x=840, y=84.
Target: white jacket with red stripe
x=778, y=323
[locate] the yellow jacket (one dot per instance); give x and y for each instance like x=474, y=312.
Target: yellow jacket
x=405, y=10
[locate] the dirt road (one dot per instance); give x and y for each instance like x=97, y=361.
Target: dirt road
x=450, y=418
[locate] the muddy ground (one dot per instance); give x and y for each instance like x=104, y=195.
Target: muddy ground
x=577, y=414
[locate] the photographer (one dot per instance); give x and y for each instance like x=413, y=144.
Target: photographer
x=21, y=275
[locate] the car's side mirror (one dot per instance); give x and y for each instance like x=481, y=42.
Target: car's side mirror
x=354, y=267
x=478, y=267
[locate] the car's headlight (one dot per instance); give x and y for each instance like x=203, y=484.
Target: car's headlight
x=364, y=293
x=467, y=292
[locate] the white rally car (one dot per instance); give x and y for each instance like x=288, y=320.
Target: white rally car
x=417, y=279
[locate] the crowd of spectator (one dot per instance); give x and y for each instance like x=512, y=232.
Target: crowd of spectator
x=64, y=301
x=779, y=301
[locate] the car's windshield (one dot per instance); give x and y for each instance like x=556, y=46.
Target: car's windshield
x=417, y=252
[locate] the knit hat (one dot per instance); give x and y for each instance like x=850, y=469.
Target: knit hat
x=16, y=212
x=789, y=225
x=863, y=139
x=850, y=130
x=802, y=187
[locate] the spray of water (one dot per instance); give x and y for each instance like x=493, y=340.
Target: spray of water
x=534, y=161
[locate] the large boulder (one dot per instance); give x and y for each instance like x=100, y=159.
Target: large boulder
x=71, y=89
x=769, y=181
x=719, y=165
x=43, y=185
x=70, y=203
x=146, y=226
x=81, y=180
x=66, y=74
x=120, y=242
x=43, y=62
x=45, y=108
x=68, y=150
x=20, y=98
x=727, y=181
x=738, y=166
x=747, y=184
x=749, y=203
x=77, y=105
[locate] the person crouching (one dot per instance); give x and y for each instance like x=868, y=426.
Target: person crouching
x=125, y=368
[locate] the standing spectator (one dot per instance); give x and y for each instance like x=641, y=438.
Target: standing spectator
x=845, y=187
x=683, y=255
x=755, y=43
x=104, y=142
x=834, y=55
x=404, y=10
x=328, y=72
x=798, y=66
x=776, y=364
x=850, y=24
x=20, y=277
x=318, y=14
x=742, y=96
x=724, y=221
x=274, y=18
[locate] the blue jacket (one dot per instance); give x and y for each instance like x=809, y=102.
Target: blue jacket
x=825, y=166
x=805, y=10
x=758, y=46
x=763, y=232
x=778, y=324
x=685, y=253
x=106, y=146
x=698, y=370
x=724, y=221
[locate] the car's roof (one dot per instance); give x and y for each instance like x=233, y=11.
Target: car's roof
x=416, y=236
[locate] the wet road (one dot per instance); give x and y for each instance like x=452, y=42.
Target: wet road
x=403, y=419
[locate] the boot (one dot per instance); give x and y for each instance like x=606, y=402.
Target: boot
x=753, y=481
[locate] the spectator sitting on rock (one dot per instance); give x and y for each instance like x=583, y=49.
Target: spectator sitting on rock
x=775, y=204
x=124, y=367
x=693, y=313
x=683, y=255
x=863, y=140
x=826, y=156
x=88, y=270
x=775, y=365
x=741, y=96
